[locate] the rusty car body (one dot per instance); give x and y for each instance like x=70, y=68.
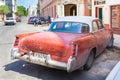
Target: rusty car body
x=70, y=43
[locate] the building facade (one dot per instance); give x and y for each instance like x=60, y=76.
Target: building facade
x=1, y=3
x=58, y=8
x=32, y=11
x=48, y=8
x=12, y=6
x=109, y=12
x=39, y=8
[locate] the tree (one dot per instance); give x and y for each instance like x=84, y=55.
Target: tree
x=4, y=10
x=21, y=11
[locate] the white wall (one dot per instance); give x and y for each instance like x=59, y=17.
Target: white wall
x=60, y=10
x=113, y=2
x=32, y=11
x=81, y=10
x=106, y=9
x=2, y=3
x=14, y=8
x=106, y=14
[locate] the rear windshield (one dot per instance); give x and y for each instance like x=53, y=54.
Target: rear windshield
x=69, y=27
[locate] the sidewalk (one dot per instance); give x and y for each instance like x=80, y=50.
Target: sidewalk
x=116, y=41
x=1, y=23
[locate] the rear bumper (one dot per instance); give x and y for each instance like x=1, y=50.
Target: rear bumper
x=9, y=22
x=48, y=62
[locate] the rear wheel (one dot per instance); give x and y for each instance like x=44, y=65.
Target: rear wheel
x=89, y=61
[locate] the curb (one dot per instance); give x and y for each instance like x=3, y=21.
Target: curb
x=116, y=47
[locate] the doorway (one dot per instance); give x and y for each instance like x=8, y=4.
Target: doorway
x=100, y=13
x=70, y=10
x=115, y=18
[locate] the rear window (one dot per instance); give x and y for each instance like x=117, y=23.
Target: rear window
x=69, y=27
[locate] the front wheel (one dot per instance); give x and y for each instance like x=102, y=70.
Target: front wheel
x=89, y=61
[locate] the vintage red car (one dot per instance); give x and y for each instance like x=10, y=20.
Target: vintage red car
x=69, y=44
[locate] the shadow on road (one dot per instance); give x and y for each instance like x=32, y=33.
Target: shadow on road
x=45, y=73
x=102, y=66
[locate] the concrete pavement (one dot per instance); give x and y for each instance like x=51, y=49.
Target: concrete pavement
x=1, y=23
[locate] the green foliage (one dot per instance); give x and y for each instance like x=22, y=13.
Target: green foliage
x=21, y=11
x=4, y=9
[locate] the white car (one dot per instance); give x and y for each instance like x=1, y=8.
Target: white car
x=115, y=73
x=10, y=20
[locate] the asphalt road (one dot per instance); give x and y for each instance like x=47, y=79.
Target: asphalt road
x=19, y=70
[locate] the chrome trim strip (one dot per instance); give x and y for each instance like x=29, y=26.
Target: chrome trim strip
x=70, y=64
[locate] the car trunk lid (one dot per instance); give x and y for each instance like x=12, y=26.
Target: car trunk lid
x=48, y=43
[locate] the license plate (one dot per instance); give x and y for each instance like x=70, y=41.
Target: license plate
x=40, y=55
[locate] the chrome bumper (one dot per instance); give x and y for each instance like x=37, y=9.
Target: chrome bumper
x=48, y=62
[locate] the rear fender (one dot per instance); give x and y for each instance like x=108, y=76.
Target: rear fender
x=25, y=35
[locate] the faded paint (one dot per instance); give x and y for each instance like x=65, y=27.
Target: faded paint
x=61, y=46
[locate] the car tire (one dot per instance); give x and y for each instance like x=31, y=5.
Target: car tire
x=89, y=61
x=110, y=44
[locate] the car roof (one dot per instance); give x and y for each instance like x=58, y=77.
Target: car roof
x=83, y=19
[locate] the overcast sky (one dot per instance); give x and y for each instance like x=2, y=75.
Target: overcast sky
x=27, y=3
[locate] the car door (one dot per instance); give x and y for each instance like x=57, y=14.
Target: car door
x=99, y=34
x=105, y=32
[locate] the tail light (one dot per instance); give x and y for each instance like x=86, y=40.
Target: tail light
x=74, y=49
x=16, y=42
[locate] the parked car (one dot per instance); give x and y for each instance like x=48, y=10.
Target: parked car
x=69, y=44
x=43, y=20
x=10, y=20
x=115, y=73
x=18, y=19
x=31, y=20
